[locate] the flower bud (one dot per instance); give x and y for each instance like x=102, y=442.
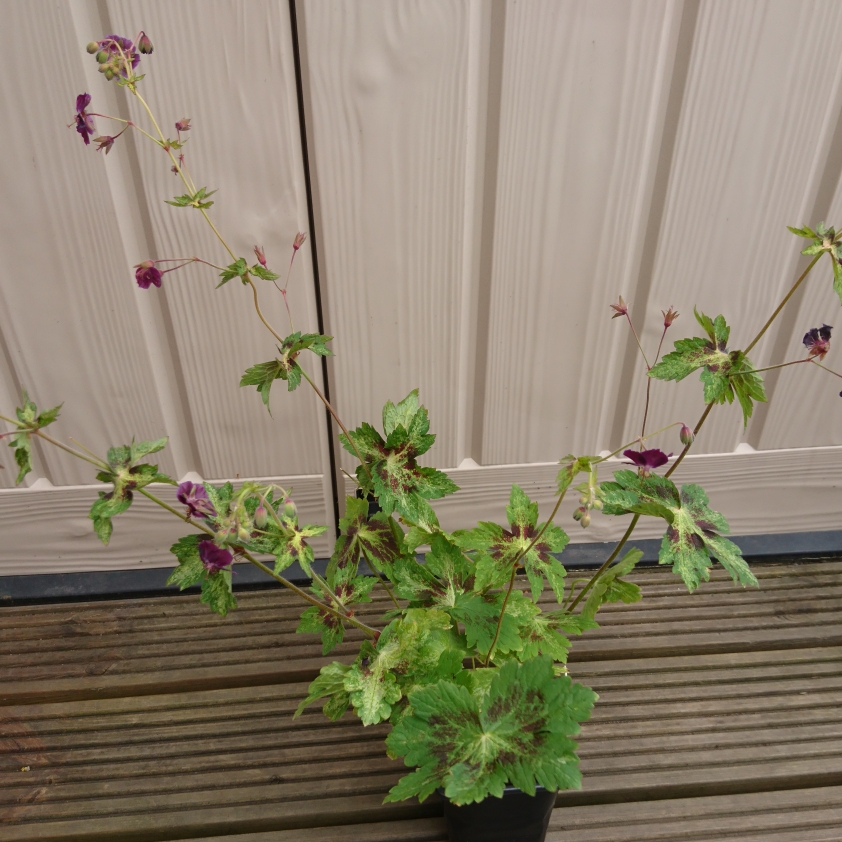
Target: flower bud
x=686, y=435
x=585, y=520
x=102, y=57
x=109, y=73
x=597, y=504
x=144, y=45
x=580, y=513
x=289, y=509
x=261, y=516
x=243, y=534
x=584, y=499
x=260, y=255
x=93, y=47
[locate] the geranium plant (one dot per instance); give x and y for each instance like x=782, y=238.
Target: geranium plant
x=466, y=665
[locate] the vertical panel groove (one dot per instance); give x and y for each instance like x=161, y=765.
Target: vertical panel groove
x=678, y=85
x=314, y=241
x=489, y=214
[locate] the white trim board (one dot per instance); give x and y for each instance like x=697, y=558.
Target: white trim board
x=47, y=530
x=759, y=492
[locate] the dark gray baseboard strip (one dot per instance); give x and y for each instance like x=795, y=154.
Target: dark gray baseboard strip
x=116, y=584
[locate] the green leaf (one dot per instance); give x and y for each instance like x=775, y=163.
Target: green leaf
x=519, y=732
x=220, y=497
x=23, y=455
x=190, y=569
x=143, y=448
x=285, y=367
x=237, y=269
x=20, y=441
x=329, y=626
x=806, y=232
x=397, y=480
x=572, y=466
x=196, y=200
x=106, y=507
x=263, y=273
x=329, y=684
x=373, y=688
x=694, y=530
x=611, y=588
x=480, y=614
x=726, y=375
x=216, y=592
x=837, y=275
x=375, y=537
x=498, y=549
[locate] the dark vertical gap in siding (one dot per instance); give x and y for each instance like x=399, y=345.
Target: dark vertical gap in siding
x=489, y=213
x=678, y=85
x=311, y=221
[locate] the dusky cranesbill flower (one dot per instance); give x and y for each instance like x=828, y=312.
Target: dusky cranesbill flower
x=83, y=121
x=817, y=341
x=214, y=558
x=647, y=460
x=147, y=273
x=196, y=499
x=669, y=316
x=620, y=308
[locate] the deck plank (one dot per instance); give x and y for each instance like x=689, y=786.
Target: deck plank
x=712, y=723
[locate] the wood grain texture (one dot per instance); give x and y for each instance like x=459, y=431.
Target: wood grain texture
x=241, y=99
x=699, y=745
x=764, y=492
x=66, y=543
x=70, y=327
x=388, y=95
x=747, y=155
x=584, y=86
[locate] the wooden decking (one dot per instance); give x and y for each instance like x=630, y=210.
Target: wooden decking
x=720, y=717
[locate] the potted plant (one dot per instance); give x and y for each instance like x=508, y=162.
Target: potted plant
x=466, y=666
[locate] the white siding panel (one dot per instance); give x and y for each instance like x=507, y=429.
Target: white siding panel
x=68, y=312
x=388, y=95
x=142, y=536
x=245, y=143
x=745, y=166
x=582, y=102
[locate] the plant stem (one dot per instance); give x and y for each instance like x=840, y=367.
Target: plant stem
x=96, y=463
x=628, y=317
x=649, y=388
x=607, y=562
x=338, y=420
x=268, y=570
x=517, y=558
x=826, y=368
x=696, y=429
x=635, y=441
x=783, y=303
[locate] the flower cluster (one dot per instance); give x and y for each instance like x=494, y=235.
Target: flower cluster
x=116, y=55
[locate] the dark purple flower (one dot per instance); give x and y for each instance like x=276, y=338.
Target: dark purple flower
x=84, y=121
x=196, y=499
x=647, y=460
x=147, y=273
x=817, y=341
x=214, y=558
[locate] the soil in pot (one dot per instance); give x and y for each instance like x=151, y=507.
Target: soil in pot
x=516, y=817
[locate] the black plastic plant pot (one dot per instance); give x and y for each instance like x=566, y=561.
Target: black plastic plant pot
x=516, y=817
